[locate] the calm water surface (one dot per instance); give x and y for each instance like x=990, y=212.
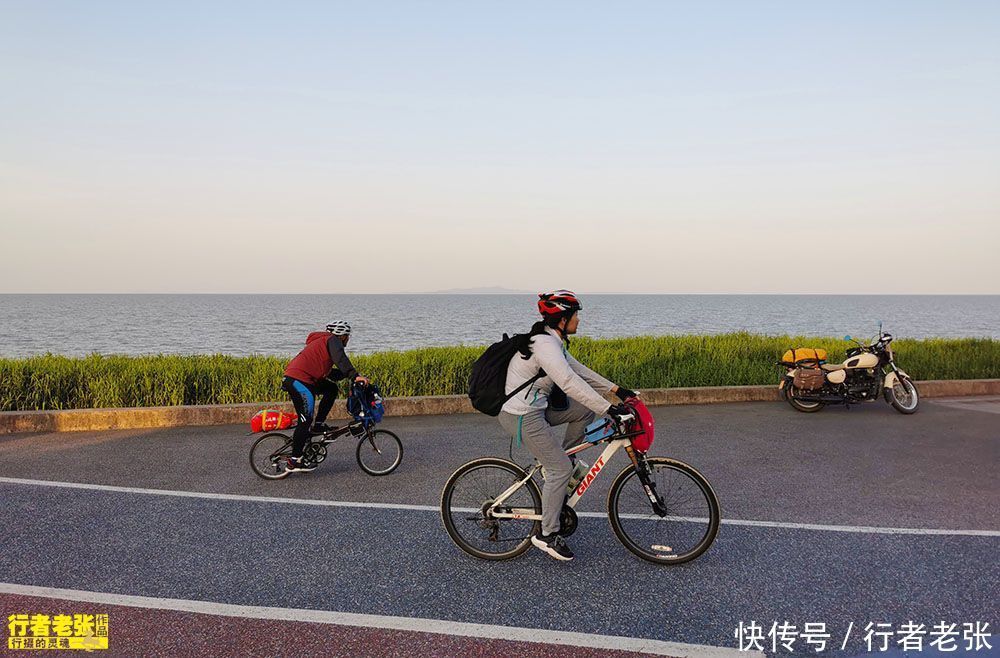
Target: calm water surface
x=277, y=324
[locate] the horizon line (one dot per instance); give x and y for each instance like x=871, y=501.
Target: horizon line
x=516, y=294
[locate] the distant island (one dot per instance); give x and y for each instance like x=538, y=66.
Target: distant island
x=488, y=290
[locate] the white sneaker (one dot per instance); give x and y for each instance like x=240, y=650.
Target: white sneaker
x=294, y=465
x=554, y=545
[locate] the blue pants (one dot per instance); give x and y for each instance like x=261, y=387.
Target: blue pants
x=304, y=398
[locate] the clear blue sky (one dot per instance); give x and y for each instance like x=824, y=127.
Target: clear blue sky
x=275, y=147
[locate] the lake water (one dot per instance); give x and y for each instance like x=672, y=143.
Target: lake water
x=277, y=324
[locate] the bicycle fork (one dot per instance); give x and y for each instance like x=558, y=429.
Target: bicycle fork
x=371, y=440
x=648, y=485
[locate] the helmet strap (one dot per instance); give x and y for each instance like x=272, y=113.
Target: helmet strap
x=567, y=316
x=554, y=322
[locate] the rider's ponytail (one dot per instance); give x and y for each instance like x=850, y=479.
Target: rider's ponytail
x=537, y=329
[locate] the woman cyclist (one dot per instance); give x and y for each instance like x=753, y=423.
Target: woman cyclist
x=534, y=415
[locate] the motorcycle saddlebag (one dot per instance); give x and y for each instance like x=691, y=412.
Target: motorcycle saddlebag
x=808, y=379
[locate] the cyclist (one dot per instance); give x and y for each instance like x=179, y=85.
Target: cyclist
x=315, y=371
x=534, y=415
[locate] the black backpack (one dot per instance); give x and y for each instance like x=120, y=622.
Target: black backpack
x=489, y=376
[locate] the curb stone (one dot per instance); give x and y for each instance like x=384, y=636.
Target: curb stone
x=74, y=420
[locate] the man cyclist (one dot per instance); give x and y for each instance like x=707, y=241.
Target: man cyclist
x=315, y=371
x=534, y=415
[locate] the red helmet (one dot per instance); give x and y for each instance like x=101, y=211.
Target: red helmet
x=558, y=303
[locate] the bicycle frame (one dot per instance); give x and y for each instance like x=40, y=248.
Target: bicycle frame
x=326, y=438
x=614, y=445
x=337, y=432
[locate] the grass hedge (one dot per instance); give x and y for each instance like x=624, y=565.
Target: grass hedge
x=59, y=382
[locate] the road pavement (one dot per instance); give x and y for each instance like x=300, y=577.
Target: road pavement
x=846, y=517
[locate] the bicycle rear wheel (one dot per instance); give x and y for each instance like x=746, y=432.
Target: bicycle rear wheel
x=689, y=524
x=268, y=455
x=468, y=497
x=379, y=452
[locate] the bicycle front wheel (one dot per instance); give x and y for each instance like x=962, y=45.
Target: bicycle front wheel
x=690, y=513
x=269, y=454
x=379, y=452
x=467, y=501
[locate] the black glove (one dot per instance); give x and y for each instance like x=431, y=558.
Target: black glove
x=618, y=410
x=624, y=394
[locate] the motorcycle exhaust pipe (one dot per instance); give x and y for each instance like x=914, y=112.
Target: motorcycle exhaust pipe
x=828, y=399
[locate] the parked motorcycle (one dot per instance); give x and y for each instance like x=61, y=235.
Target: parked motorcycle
x=810, y=383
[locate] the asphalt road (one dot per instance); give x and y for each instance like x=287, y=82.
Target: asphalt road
x=866, y=466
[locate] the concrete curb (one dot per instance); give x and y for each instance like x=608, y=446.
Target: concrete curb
x=234, y=414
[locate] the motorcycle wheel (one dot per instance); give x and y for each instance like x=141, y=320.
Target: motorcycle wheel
x=903, y=396
x=789, y=391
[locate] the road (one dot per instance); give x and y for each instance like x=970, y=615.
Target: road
x=846, y=517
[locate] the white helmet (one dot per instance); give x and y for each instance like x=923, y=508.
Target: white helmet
x=339, y=328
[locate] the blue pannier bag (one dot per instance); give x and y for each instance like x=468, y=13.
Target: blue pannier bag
x=365, y=403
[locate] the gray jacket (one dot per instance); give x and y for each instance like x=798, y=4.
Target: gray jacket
x=561, y=369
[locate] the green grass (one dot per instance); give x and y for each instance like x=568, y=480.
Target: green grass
x=58, y=382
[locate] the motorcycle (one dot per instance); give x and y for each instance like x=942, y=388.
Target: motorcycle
x=810, y=384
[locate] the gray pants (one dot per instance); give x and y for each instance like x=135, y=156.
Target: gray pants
x=543, y=440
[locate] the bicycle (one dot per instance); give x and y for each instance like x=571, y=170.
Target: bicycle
x=379, y=452
x=660, y=509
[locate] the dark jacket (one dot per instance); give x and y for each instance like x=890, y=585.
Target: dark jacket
x=323, y=356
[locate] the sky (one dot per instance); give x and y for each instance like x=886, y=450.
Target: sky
x=656, y=147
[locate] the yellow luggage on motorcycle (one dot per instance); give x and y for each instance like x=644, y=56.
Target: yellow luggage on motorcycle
x=800, y=355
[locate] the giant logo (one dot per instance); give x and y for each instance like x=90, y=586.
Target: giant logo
x=594, y=470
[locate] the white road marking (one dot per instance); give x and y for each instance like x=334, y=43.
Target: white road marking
x=413, y=624
x=434, y=508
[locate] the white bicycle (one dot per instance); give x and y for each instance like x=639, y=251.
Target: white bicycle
x=661, y=509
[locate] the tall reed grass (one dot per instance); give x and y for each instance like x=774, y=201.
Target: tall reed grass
x=59, y=382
